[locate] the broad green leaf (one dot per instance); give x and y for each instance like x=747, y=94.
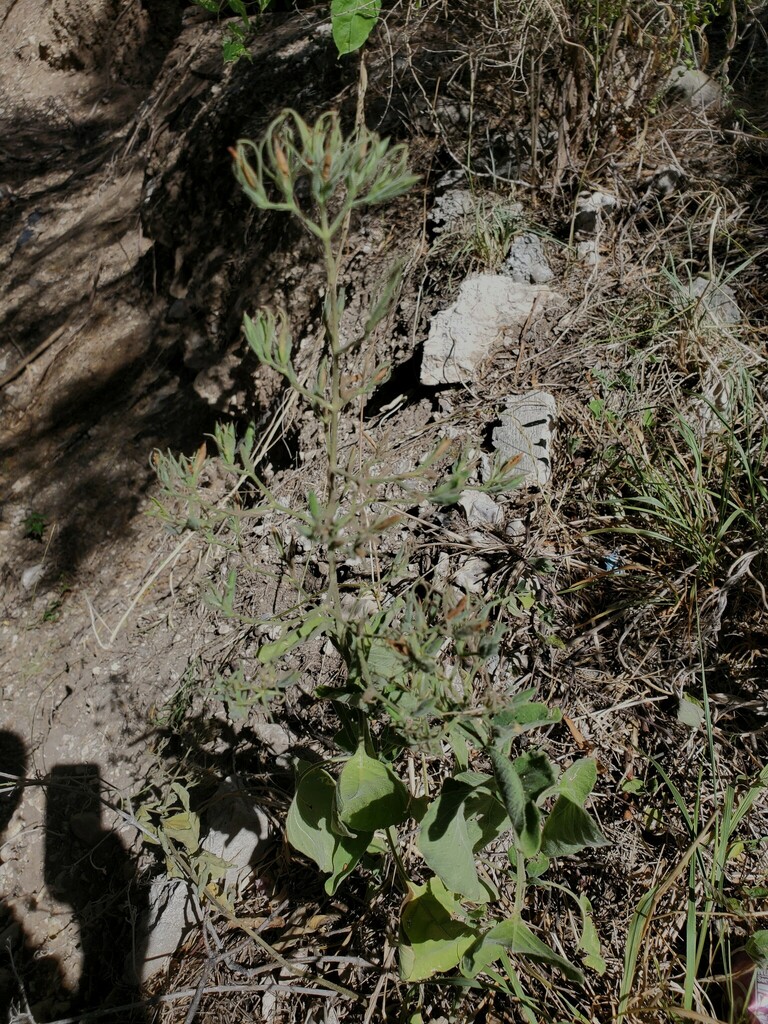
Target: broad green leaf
x=473, y=779
x=578, y=781
x=378, y=846
x=459, y=822
x=522, y=811
x=183, y=828
x=352, y=22
x=691, y=712
x=568, y=829
x=535, y=771
x=524, y=715
x=209, y=868
x=511, y=788
x=384, y=661
x=418, y=807
x=459, y=746
x=516, y=937
x=182, y=793
x=309, y=828
x=432, y=940
x=369, y=795
x=537, y=866
x=529, y=838
x=590, y=941
x=233, y=46
x=757, y=946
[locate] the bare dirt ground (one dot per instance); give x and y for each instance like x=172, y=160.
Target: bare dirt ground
x=118, y=311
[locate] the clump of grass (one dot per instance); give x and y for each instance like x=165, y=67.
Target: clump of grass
x=693, y=508
x=480, y=238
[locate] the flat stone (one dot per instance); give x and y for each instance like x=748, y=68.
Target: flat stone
x=481, y=510
x=472, y=573
x=171, y=917
x=31, y=576
x=591, y=211
x=596, y=201
x=526, y=260
x=525, y=432
x=239, y=832
x=715, y=303
x=275, y=737
x=450, y=209
x=693, y=88
x=489, y=309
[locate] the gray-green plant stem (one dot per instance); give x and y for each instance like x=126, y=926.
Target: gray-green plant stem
x=399, y=866
x=331, y=420
x=520, y=880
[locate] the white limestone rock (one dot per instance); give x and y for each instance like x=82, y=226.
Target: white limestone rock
x=526, y=432
x=472, y=574
x=171, y=917
x=526, y=260
x=239, y=833
x=480, y=509
x=451, y=209
x=715, y=303
x=693, y=88
x=490, y=309
x=32, y=576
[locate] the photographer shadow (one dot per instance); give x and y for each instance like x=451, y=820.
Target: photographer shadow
x=86, y=868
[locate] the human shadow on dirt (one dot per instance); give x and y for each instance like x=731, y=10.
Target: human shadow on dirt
x=87, y=868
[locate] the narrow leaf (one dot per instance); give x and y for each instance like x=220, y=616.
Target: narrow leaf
x=516, y=937
x=590, y=941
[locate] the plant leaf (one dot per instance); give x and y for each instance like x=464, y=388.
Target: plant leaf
x=522, y=715
x=589, y=940
x=757, y=946
x=535, y=771
x=369, y=795
x=309, y=828
x=568, y=829
x=184, y=828
x=313, y=622
x=460, y=821
x=516, y=937
x=578, y=781
x=511, y=788
x=521, y=782
x=352, y=22
x=432, y=940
